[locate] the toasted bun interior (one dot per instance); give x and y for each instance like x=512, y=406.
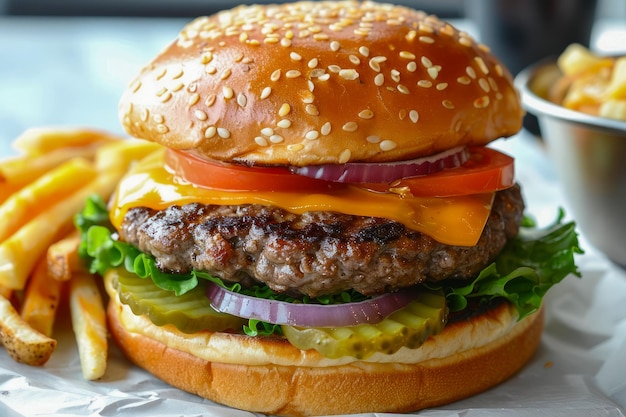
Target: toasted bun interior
x=321, y=82
x=318, y=388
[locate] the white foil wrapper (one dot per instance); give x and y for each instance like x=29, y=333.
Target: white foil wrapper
x=578, y=370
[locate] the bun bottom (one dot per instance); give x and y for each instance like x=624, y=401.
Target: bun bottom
x=357, y=387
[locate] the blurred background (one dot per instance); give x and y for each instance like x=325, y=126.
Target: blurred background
x=66, y=62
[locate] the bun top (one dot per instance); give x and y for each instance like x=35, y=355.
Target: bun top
x=321, y=82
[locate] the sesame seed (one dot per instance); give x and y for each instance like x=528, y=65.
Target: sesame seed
x=310, y=85
x=210, y=132
x=325, y=129
x=313, y=63
x=223, y=133
x=395, y=75
x=286, y=42
x=411, y=66
x=334, y=46
x=463, y=80
x=366, y=114
x=433, y=72
x=261, y=141
x=293, y=74
x=284, y=123
x=426, y=39
x=243, y=36
x=295, y=147
x=354, y=59
x=200, y=115
x=284, y=110
x=275, y=75
x=136, y=86
x=423, y=27
x=493, y=84
x=373, y=139
x=402, y=114
x=161, y=73
x=276, y=139
x=312, y=135
x=387, y=145
x=161, y=128
x=499, y=70
x=364, y=50
x=407, y=55
x=177, y=87
x=411, y=35
x=144, y=115
x=499, y=96
x=324, y=77
x=158, y=118
x=227, y=92
x=226, y=73
x=465, y=41
x=270, y=40
x=481, y=64
x=295, y=56
x=484, y=84
x=424, y=84
x=165, y=97
x=265, y=93
x=210, y=70
x=348, y=74
x=210, y=100
x=414, y=116
x=267, y=131
x=344, y=156
x=426, y=62
x=321, y=37
x=481, y=102
x=334, y=68
x=161, y=91
x=471, y=72
x=441, y=86
x=403, y=89
x=350, y=127
x=177, y=74
x=242, y=100
x=447, y=30
x=447, y=104
x=379, y=79
x=311, y=109
x=484, y=48
x=192, y=87
x=374, y=65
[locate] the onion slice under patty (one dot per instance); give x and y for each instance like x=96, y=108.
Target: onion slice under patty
x=377, y=172
x=370, y=311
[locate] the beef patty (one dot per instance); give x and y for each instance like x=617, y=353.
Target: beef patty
x=314, y=253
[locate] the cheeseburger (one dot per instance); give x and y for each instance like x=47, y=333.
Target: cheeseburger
x=324, y=229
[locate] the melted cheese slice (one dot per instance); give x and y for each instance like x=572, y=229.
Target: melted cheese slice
x=450, y=220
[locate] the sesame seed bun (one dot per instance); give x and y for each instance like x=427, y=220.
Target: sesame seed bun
x=321, y=82
x=281, y=380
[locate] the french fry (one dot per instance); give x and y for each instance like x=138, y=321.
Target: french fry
x=63, y=258
x=19, y=171
x=118, y=156
x=42, y=140
x=19, y=252
x=23, y=343
x=89, y=324
x=45, y=191
x=41, y=299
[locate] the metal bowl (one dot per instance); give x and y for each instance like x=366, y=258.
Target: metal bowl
x=589, y=155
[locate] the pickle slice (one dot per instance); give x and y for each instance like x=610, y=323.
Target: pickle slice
x=409, y=326
x=190, y=312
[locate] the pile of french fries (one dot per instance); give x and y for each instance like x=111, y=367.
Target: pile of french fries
x=41, y=190
x=591, y=83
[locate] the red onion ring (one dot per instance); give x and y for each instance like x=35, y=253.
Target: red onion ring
x=307, y=315
x=377, y=172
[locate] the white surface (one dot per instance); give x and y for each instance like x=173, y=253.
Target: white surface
x=71, y=72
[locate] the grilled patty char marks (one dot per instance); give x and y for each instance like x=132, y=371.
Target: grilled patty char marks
x=315, y=253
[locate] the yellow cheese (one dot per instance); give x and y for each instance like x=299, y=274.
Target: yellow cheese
x=450, y=220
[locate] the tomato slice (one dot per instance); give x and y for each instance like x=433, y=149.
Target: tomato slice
x=225, y=176
x=486, y=170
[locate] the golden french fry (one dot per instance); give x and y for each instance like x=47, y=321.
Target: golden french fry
x=63, y=258
x=42, y=140
x=118, y=156
x=41, y=299
x=18, y=171
x=44, y=192
x=89, y=324
x=19, y=252
x=23, y=343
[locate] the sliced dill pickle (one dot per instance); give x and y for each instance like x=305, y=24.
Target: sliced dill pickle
x=409, y=326
x=190, y=312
